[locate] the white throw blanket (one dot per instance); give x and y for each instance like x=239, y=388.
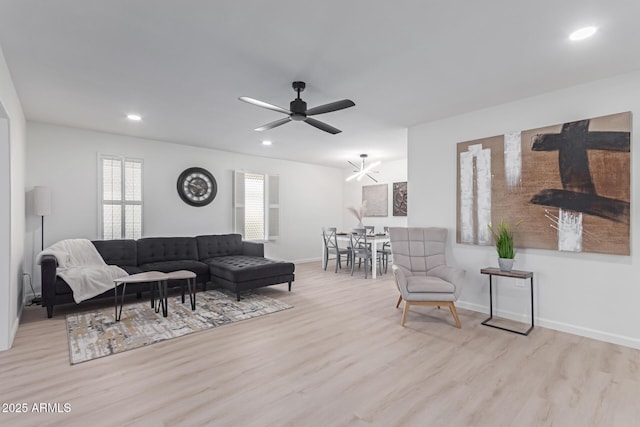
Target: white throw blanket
x=82, y=267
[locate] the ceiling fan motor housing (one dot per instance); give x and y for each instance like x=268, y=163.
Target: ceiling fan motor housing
x=298, y=109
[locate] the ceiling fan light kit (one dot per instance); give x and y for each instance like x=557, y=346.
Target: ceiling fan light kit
x=298, y=111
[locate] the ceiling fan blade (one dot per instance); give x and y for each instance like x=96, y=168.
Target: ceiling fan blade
x=353, y=164
x=273, y=124
x=263, y=104
x=322, y=126
x=374, y=180
x=333, y=106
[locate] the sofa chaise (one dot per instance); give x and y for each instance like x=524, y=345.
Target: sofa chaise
x=222, y=260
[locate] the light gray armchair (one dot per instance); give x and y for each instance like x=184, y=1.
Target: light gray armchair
x=420, y=269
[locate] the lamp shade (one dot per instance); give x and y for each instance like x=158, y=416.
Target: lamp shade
x=42, y=201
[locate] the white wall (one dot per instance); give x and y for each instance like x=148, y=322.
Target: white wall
x=587, y=294
x=12, y=202
x=390, y=172
x=65, y=159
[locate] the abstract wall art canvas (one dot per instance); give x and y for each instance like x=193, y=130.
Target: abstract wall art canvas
x=400, y=198
x=569, y=183
x=375, y=199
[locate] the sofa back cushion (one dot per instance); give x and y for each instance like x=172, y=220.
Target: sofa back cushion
x=118, y=252
x=219, y=245
x=157, y=249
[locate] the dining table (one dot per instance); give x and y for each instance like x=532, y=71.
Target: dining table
x=376, y=240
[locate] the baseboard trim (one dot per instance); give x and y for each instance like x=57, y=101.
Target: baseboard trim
x=16, y=323
x=305, y=260
x=557, y=326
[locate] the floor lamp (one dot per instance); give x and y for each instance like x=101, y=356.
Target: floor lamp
x=42, y=205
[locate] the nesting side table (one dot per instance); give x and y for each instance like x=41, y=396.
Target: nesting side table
x=516, y=274
x=157, y=278
x=190, y=277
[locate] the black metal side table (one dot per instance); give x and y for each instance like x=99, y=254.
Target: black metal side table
x=516, y=274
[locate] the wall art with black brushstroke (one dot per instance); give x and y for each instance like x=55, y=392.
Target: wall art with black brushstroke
x=570, y=183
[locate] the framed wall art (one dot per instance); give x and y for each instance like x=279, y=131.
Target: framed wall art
x=375, y=199
x=569, y=183
x=400, y=198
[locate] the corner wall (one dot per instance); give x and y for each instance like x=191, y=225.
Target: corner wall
x=65, y=159
x=12, y=212
x=587, y=294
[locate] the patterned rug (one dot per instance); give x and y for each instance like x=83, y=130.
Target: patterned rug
x=96, y=334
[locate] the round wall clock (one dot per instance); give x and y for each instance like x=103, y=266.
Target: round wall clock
x=197, y=187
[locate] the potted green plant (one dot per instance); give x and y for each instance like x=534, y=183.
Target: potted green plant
x=503, y=237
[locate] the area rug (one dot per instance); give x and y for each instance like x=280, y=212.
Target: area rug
x=96, y=334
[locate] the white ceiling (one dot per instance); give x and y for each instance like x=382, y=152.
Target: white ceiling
x=183, y=64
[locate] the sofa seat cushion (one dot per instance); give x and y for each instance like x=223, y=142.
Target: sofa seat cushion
x=201, y=269
x=241, y=268
x=62, y=288
x=130, y=269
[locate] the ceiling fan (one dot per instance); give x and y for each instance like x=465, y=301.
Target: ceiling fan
x=363, y=170
x=298, y=111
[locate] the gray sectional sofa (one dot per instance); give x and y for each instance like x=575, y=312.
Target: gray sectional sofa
x=222, y=260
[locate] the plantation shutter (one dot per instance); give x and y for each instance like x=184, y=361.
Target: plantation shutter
x=238, y=202
x=274, y=207
x=256, y=205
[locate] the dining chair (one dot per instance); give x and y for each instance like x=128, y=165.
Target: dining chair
x=331, y=246
x=370, y=230
x=360, y=249
x=385, y=251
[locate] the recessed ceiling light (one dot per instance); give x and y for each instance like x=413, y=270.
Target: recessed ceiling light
x=134, y=117
x=583, y=33
x=266, y=142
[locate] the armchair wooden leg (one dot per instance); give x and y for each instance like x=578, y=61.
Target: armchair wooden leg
x=399, y=301
x=452, y=307
x=405, y=312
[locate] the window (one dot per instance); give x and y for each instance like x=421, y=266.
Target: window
x=120, y=213
x=256, y=205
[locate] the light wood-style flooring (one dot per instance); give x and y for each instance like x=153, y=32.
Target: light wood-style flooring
x=338, y=358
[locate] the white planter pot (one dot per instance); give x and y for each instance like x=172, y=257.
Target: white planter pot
x=506, y=264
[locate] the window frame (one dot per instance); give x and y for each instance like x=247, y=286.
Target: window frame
x=122, y=202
